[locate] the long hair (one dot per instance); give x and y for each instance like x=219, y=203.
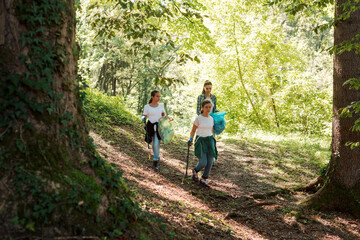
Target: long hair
x=207, y=83
x=153, y=93
x=203, y=103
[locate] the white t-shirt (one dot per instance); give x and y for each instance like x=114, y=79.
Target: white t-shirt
x=154, y=113
x=205, y=125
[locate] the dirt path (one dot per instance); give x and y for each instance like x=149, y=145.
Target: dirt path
x=244, y=201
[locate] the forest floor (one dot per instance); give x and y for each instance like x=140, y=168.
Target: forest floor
x=246, y=200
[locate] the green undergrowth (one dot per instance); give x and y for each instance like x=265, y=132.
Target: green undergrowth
x=109, y=117
x=103, y=109
x=105, y=114
x=79, y=197
x=300, y=148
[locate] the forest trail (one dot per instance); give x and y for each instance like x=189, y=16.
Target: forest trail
x=246, y=200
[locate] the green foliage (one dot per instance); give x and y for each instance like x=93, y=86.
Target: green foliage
x=130, y=48
x=276, y=86
x=72, y=194
x=353, y=109
x=284, y=89
x=344, y=11
x=100, y=108
x=295, y=6
x=347, y=46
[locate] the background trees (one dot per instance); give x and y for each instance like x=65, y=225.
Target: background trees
x=342, y=175
x=277, y=54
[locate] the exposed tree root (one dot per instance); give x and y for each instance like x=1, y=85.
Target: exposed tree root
x=334, y=197
x=257, y=205
x=313, y=186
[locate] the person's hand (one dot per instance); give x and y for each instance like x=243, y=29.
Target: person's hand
x=143, y=119
x=170, y=118
x=190, y=142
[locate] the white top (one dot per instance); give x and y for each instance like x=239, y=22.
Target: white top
x=154, y=113
x=205, y=125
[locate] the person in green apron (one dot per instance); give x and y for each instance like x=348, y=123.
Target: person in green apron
x=205, y=143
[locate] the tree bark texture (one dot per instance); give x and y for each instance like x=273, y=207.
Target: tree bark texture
x=50, y=173
x=62, y=39
x=342, y=188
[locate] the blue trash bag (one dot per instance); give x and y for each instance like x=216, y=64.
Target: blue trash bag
x=166, y=130
x=219, y=122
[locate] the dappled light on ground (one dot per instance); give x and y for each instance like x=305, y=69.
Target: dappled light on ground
x=244, y=201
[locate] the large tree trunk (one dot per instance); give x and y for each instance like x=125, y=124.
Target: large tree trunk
x=50, y=174
x=342, y=188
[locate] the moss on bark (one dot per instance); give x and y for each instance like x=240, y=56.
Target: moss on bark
x=334, y=197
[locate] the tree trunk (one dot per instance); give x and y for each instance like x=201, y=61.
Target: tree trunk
x=273, y=105
x=50, y=174
x=241, y=77
x=342, y=188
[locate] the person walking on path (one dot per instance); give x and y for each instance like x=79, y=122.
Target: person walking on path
x=206, y=94
x=154, y=111
x=205, y=143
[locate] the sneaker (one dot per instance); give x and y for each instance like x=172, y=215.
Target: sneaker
x=195, y=175
x=205, y=183
x=155, y=166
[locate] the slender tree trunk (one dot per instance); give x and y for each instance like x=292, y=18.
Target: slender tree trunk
x=242, y=80
x=114, y=86
x=273, y=105
x=342, y=188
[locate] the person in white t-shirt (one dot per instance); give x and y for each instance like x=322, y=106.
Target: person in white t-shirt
x=205, y=143
x=154, y=111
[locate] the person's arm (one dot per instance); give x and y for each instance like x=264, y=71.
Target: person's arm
x=193, y=131
x=144, y=115
x=163, y=113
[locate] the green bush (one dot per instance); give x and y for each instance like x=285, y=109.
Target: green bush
x=101, y=108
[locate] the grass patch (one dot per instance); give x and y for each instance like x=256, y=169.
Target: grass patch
x=291, y=158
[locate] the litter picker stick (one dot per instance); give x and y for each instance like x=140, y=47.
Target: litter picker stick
x=147, y=139
x=187, y=164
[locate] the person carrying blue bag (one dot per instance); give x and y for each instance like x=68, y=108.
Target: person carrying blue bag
x=205, y=143
x=219, y=117
x=219, y=122
x=206, y=95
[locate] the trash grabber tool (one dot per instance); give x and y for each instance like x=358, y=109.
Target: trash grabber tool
x=187, y=164
x=147, y=138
